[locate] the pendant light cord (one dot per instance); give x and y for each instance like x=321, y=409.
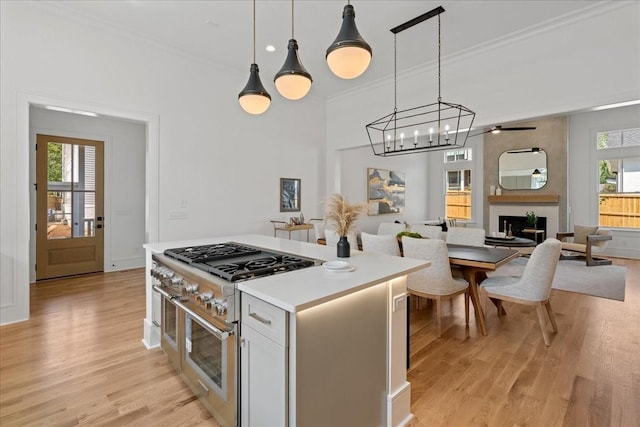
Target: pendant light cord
x=395, y=87
x=254, y=31
x=292, y=20
x=439, y=97
x=395, y=73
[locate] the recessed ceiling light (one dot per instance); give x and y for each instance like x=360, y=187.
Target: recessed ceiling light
x=270, y=48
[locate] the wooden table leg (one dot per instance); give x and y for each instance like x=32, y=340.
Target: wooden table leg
x=480, y=276
x=470, y=275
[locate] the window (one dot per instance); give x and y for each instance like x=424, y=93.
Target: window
x=458, y=184
x=457, y=155
x=619, y=178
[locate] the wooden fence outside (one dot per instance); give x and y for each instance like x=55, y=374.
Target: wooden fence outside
x=459, y=204
x=620, y=210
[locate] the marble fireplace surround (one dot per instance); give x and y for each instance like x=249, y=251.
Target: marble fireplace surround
x=519, y=208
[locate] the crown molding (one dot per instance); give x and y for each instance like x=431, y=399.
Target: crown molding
x=598, y=8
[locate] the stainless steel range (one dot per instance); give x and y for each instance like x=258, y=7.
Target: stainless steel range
x=201, y=310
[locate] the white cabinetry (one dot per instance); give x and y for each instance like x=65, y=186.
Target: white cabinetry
x=264, y=364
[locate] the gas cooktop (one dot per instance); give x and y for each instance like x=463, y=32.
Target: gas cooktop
x=235, y=262
x=218, y=251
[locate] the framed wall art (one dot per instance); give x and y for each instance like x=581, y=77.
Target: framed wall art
x=385, y=192
x=290, y=194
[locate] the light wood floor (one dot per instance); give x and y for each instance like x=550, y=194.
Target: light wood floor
x=79, y=360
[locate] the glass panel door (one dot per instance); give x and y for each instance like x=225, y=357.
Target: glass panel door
x=207, y=355
x=70, y=215
x=71, y=188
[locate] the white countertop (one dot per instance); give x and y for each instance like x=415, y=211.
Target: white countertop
x=297, y=290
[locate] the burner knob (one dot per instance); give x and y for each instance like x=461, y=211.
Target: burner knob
x=191, y=288
x=176, y=281
x=220, y=307
x=157, y=271
x=203, y=298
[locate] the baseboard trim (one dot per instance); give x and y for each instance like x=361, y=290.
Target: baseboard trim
x=399, y=406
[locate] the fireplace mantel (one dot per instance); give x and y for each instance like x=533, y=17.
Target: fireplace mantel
x=522, y=198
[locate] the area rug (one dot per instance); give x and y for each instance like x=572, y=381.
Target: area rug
x=604, y=281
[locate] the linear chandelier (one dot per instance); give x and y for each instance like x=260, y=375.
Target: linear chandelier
x=437, y=126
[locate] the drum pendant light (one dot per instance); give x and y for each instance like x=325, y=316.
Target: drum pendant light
x=254, y=98
x=349, y=55
x=293, y=81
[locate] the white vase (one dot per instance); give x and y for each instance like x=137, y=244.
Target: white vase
x=498, y=191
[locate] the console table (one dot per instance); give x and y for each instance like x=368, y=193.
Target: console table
x=283, y=226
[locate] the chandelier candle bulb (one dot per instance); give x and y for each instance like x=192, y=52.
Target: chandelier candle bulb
x=401, y=140
x=430, y=134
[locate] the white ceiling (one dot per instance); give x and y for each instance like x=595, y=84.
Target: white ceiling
x=221, y=31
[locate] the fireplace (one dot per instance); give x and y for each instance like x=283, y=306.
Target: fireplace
x=548, y=211
x=519, y=223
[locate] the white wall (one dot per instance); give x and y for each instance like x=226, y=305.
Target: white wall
x=584, y=175
x=124, y=189
x=218, y=168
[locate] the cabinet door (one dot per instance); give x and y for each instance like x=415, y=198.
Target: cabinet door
x=263, y=378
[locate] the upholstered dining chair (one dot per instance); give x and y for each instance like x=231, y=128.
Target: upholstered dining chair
x=332, y=237
x=427, y=231
x=533, y=288
x=466, y=236
x=434, y=282
x=385, y=244
x=390, y=228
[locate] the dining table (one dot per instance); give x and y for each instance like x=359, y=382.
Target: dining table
x=474, y=263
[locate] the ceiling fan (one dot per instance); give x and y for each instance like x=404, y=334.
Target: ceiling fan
x=498, y=129
x=534, y=150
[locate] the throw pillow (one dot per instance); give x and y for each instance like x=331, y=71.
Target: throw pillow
x=580, y=233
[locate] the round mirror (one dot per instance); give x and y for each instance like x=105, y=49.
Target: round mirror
x=523, y=169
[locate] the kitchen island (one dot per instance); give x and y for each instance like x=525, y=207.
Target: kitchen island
x=317, y=347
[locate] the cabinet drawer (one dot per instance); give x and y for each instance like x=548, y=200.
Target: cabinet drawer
x=265, y=318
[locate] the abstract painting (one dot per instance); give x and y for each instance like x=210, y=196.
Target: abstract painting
x=385, y=192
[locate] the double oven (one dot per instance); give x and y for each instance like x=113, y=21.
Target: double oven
x=200, y=315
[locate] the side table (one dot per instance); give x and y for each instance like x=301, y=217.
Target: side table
x=535, y=233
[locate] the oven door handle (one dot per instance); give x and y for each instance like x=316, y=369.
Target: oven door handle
x=219, y=333
x=163, y=293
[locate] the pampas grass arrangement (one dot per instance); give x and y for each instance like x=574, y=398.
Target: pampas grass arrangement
x=342, y=214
